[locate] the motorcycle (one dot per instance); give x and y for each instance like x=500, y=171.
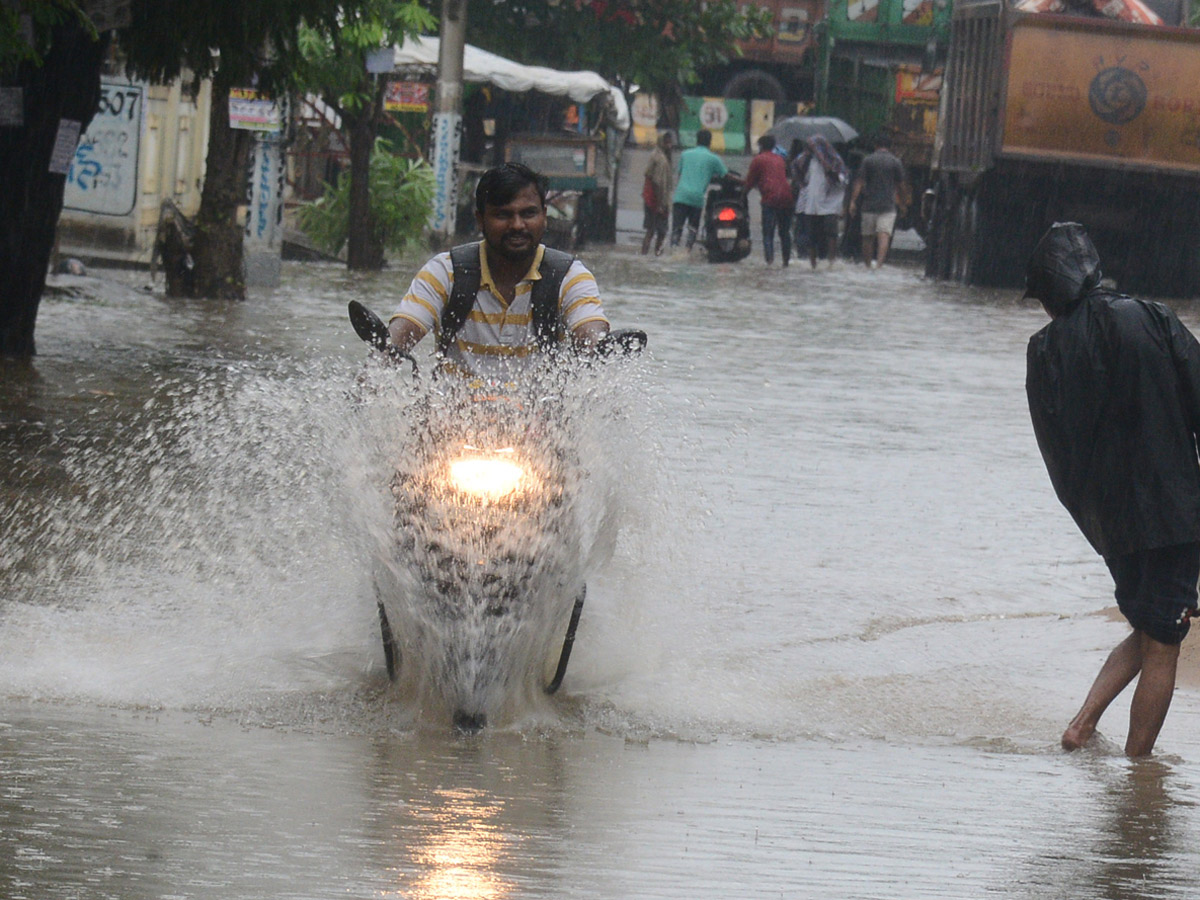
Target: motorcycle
x=726, y=220
x=482, y=572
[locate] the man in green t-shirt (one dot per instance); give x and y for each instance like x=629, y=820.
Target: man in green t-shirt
x=697, y=167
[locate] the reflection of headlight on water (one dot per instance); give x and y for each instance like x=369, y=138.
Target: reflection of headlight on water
x=486, y=478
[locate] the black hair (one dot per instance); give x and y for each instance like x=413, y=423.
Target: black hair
x=498, y=185
x=766, y=142
x=703, y=138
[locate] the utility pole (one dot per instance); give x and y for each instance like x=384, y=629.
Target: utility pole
x=447, y=120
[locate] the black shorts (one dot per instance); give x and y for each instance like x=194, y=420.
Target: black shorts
x=1156, y=589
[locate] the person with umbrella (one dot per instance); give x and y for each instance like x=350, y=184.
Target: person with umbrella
x=824, y=176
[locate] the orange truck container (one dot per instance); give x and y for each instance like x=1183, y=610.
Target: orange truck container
x=1050, y=118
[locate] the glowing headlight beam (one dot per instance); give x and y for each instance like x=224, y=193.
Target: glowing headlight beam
x=486, y=479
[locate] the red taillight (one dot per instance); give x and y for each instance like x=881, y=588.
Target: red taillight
x=726, y=214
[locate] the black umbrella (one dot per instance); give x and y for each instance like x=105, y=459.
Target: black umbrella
x=832, y=128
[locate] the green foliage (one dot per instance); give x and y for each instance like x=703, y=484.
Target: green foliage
x=655, y=43
x=1194, y=14
x=334, y=57
x=25, y=27
x=401, y=196
x=252, y=41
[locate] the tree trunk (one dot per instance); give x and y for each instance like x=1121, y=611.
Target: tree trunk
x=364, y=249
x=218, y=248
x=66, y=86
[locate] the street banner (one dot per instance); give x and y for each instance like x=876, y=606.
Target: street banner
x=250, y=110
x=406, y=96
x=447, y=139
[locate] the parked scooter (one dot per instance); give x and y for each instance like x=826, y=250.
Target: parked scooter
x=726, y=220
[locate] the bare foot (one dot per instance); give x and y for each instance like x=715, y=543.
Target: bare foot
x=1077, y=734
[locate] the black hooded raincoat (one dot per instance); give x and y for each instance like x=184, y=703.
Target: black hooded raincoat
x=1114, y=392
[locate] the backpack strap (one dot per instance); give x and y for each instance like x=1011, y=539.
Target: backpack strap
x=547, y=316
x=467, y=274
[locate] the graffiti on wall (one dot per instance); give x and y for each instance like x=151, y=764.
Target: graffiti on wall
x=103, y=173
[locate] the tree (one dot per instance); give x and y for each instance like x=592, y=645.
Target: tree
x=401, y=191
x=237, y=43
x=50, y=60
x=335, y=65
x=657, y=44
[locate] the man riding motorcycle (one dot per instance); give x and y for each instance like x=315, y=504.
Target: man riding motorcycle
x=527, y=297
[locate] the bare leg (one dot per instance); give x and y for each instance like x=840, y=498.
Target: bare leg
x=868, y=249
x=1118, y=670
x=1152, y=699
x=882, y=242
x=832, y=250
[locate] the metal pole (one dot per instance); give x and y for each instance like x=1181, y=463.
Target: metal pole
x=447, y=119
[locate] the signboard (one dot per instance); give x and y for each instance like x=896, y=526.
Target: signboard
x=103, y=174
x=406, y=96
x=65, y=141
x=447, y=139
x=251, y=111
x=381, y=60
x=862, y=10
x=915, y=86
x=645, y=113
x=917, y=12
x=725, y=118
x=793, y=25
x=1104, y=94
x=12, y=107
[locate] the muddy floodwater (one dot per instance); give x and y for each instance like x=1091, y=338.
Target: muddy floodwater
x=833, y=634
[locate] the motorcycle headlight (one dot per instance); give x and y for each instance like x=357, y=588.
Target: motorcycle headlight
x=486, y=478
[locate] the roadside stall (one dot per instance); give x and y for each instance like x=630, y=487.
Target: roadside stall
x=570, y=126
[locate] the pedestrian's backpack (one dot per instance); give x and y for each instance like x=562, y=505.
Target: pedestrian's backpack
x=543, y=303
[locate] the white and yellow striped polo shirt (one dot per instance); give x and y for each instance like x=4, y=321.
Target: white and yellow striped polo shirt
x=497, y=337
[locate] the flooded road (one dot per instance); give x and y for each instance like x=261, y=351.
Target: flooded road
x=842, y=626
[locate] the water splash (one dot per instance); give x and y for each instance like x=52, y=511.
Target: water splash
x=217, y=541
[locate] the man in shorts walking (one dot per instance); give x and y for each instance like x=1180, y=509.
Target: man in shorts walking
x=880, y=181
x=1114, y=393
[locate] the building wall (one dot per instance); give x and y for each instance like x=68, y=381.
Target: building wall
x=147, y=144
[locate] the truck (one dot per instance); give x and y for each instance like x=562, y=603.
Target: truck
x=777, y=67
x=1046, y=118
x=879, y=67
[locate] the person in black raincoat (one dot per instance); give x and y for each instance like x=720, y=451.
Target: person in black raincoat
x=1114, y=393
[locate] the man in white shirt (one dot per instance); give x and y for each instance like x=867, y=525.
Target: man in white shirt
x=505, y=326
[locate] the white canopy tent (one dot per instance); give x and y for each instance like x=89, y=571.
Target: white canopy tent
x=482, y=66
